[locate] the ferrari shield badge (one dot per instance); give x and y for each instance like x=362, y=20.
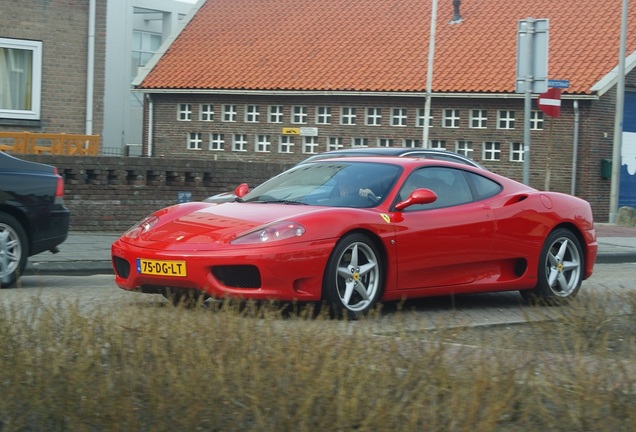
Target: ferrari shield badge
x=386, y=217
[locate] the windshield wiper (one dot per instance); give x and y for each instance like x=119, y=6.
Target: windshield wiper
x=283, y=201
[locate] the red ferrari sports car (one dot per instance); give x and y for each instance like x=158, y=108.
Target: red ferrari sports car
x=354, y=231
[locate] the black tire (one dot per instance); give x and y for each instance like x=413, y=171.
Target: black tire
x=14, y=250
x=354, y=277
x=561, y=268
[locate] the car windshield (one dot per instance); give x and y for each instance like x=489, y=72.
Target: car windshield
x=329, y=183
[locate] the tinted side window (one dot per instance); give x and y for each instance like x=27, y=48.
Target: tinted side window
x=484, y=187
x=449, y=185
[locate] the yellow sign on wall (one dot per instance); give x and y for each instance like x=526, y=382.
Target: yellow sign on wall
x=291, y=131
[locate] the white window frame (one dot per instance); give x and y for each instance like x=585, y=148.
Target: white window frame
x=310, y=145
x=262, y=143
x=506, y=119
x=516, y=152
x=450, y=118
x=348, y=116
x=420, y=117
x=478, y=119
x=384, y=142
x=184, y=112
x=323, y=115
x=217, y=141
x=275, y=114
x=35, y=103
x=206, y=112
x=411, y=143
x=438, y=144
x=491, y=151
x=229, y=113
x=537, y=120
x=334, y=143
x=359, y=142
x=399, y=117
x=373, y=116
x=299, y=114
x=285, y=144
x=464, y=147
x=195, y=141
x=252, y=114
x=239, y=142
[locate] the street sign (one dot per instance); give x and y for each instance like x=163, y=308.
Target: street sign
x=560, y=84
x=550, y=102
x=309, y=131
x=291, y=131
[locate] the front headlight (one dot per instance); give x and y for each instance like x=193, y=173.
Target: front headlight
x=142, y=227
x=269, y=233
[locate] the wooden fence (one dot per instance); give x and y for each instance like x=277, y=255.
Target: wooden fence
x=46, y=143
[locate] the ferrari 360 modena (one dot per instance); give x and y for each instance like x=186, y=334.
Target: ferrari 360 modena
x=355, y=231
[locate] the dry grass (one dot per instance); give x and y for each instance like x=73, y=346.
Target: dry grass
x=256, y=368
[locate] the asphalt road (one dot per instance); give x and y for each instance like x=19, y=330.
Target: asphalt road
x=99, y=292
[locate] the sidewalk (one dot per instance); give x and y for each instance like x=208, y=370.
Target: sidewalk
x=85, y=253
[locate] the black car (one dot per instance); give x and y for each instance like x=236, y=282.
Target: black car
x=438, y=154
x=33, y=218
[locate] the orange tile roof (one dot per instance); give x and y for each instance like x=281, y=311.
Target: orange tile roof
x=382, y=45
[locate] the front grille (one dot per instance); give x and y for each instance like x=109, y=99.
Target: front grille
x=238, y=276
x=122, y=267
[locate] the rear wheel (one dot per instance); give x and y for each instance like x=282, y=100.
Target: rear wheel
x=13, y=250
x=561, y=267
x=353, y=279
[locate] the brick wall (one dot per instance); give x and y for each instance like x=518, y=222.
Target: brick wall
x=62, y=26
x=112, y=193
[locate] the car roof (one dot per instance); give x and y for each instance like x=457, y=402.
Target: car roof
x=396, y=152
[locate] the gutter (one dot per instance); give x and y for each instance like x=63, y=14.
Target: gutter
x=150, y=121
x=575, y=147
x=90, y=68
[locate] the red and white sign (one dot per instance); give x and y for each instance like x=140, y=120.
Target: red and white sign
x=550, y=102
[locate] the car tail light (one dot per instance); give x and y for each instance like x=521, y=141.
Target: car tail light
x=59, y=190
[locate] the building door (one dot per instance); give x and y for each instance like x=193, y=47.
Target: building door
x=627, y=189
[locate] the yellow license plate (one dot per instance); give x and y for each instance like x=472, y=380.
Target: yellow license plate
x=161, y=268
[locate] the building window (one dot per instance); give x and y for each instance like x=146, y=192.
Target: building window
x=206, y=112
x=334, y=143
x=464, y=148
x=478, y=118
x=229, y=113
x=285, y=144
x=263, y=143
x=216, y=141
x=420, y=117
x=411, y=143
x=275, y=113
x=438, y=144
x=239, y=142
x=505, y=119
x=374, y=117
x=184, y=112
x=310, y=145
x=451, y=118
x=398, y=117
x=144, y=46
x=385, y=142
x=347, y=116
x=516, y=152
x=323, y=115
x=536, y=120
x=359, y=142
x=492, y=151
x=299, y=114
x=252, y=115
x=194, y=141
x=20, y=79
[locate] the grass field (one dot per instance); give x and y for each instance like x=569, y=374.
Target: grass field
x=257, y=368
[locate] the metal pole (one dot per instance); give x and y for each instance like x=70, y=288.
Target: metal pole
x=618, y=120
x=429, y=74
x=527, y=111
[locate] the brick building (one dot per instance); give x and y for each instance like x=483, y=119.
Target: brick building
x=278, y=80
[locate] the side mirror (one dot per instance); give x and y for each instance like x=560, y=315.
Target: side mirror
x=418, y=196
x=241, y=190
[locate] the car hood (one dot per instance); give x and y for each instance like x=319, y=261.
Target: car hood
x=206, y=226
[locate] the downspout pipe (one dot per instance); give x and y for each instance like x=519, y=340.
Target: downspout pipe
x=575, y=147
x=90, y=68
x=150, y=121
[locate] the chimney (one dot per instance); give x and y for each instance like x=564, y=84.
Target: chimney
x=457, y=18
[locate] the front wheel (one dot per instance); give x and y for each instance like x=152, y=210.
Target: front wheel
x=13, y=250
x=353, y=279
x=561, y=267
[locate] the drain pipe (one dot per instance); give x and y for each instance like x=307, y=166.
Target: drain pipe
x=150, y=121
x=575, y=149
x=90, y=68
